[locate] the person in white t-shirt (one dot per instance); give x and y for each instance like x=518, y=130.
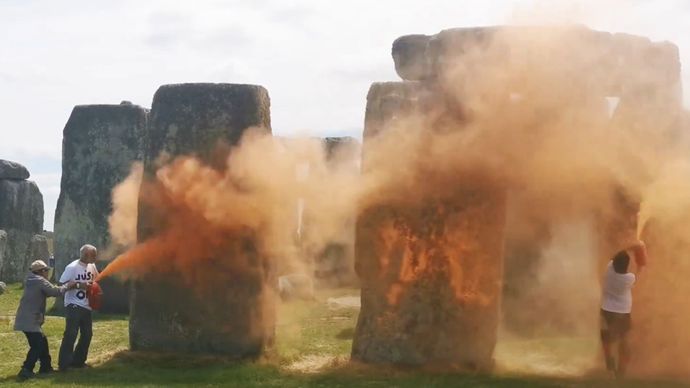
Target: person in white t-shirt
x=77, y=310
x=616, y=308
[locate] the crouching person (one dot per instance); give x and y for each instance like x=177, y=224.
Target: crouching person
x=31, y=315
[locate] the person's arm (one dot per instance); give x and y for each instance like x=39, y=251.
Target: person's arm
x=639, y=253
x=52, y=291
x=68, y=276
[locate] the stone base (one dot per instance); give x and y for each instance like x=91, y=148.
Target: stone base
x=659, y=338
x=231, y=313
x=431, y=281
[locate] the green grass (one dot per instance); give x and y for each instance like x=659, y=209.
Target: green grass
x=312, y=350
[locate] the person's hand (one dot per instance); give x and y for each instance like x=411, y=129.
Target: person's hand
x=71, y=285
x=88, y=286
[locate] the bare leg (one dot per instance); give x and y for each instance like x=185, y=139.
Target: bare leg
x=623, y=356
x=606, y=346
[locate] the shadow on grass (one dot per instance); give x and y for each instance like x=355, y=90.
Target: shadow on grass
x=127, y=368
x=346, y=334
x=57, y=312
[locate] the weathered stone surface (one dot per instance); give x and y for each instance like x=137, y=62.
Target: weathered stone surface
x=342, y=149
x=38, y=248
x=660, y=338
x=21, y=206
x=16, y=259
x=21, y=216
x=13, y=170
x=431, y=277
x=115, y=299
x=388, y=102
x=615, y=63
x=3, y=247
x=295, y=286
x=334, y=262
x=100, y=143
x=232, y=313
x=409, y=55
x=430, y=266
x=192, y=118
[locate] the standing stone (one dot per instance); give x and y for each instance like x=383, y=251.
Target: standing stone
x=336, y=262
x=3, y=247
x=430, y=266
x=100, y=143
x=333, y=259
x=21, y=216
x=38, y=248
x=659, y=338
x=614, y=63
x=409, y=55
x=232, y=312
x=13, y=170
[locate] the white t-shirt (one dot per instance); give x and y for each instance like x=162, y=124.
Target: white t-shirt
x=82, y=273
x=617, y=296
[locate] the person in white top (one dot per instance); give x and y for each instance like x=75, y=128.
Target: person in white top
x=77, y=310
x=616, y=306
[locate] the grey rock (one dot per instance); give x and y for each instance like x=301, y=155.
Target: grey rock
x=21, y=206
x=422, y=303
x=100, y=144
x=296, y=286
x=334, y=265
x=192, y=118
x=615, y=63
x=17, y=256
x=3, y=248
x=664, y=236
x=38, y=248
x=409, y=55
x=3, y=288
x=334, y=262
x=115, y=299
x=388, y=102
x=236, y=317
x=13, y=170
x=343, y=152
x=21, y=217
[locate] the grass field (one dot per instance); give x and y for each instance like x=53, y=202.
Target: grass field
x=312, y=349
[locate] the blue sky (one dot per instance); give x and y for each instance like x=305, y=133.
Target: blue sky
x=316, y=58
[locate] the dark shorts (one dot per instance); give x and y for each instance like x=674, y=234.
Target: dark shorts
x=615, y=324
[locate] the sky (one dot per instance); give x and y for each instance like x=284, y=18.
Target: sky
x=317, y=58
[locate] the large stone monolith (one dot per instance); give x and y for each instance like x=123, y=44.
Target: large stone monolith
x=644, y=76
x=430, y=264
x=225, y=311
x=333, y=254
x=3, y=247
x=21, y=217
x=659, y=338
x=13, y=170
x=615, y=64
x=100, y=144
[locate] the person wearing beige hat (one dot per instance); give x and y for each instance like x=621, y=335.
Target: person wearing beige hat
x=31, y=315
